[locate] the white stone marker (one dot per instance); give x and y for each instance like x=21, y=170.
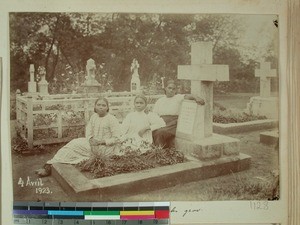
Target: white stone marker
x=31, y=83
x=135, y=84
x=202, y=74
x=265, y=73
x=194, y=134
x=265, y=104
x=91, y=85
x=90, y=71
x=43, y=84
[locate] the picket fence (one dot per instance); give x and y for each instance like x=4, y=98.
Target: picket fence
x=60, y=118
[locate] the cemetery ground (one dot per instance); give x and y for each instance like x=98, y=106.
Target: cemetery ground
x=259, y=182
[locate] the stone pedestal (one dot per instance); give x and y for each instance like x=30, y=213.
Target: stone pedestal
x=32, y=87
x=262, y=106
x=209, y=148
x=43, y=87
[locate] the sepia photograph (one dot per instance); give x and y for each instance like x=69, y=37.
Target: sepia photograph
x=144, y=106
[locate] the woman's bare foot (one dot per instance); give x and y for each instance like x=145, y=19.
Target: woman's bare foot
x=44, y=172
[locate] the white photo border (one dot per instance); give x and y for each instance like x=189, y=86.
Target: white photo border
x=213, y=212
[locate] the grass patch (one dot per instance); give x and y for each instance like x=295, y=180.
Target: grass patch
x=241, y=187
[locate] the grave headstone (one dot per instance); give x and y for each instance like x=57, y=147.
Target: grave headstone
x=43, y=84
x=162, y=82
x=31, y=83
x=91, y=85
x=135, y=84
x=194, y=130
x=265, y=104
x=265, y=73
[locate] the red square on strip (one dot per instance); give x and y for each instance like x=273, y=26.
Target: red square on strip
x=162, y=214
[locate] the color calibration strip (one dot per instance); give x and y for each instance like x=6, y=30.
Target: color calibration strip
x=91, y=213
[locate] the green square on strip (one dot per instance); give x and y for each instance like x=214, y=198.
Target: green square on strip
x=102, y=213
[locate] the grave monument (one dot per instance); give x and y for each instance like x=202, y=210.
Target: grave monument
x=43, y=84
x=91, y=85
x=210, y=155
x=135, y=84
x=194, y=134
x=31, y=83
x=265, y=104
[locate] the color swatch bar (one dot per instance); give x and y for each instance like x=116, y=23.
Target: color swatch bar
x=94, y=211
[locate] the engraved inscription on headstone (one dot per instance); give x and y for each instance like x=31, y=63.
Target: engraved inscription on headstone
x=187, y=117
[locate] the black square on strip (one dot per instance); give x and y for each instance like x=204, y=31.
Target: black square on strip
x=20, y=206
x=36, y=205
x=161, y=207
x=115, y=208
x=146, y=208
x=99, y=209
x=52, y=206
x=135, y=208
x=83, y=208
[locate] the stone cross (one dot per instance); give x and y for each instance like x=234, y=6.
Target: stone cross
x=202, y=74
x=265, y=73
x=135, y=84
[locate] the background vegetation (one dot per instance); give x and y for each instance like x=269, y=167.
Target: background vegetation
x=63, y=42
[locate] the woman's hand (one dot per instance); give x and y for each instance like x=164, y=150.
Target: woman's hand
x=142, y=131
x=94, y=142
x=199, y=101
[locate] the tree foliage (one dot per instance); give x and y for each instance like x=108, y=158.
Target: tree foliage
x=63, y=42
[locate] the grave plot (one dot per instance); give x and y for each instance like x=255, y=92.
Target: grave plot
x=81, y=188
x=208, y=155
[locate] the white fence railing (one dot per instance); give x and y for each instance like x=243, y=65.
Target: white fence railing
x=60, y=118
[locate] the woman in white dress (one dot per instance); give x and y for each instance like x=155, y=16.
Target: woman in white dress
x=102, y=135
x=138, y=126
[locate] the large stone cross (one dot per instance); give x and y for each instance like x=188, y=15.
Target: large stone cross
x=202, y=74
x=265, y=73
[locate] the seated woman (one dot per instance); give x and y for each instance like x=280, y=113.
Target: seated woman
x=168, y=108
x=137, y=127
x=102, y=134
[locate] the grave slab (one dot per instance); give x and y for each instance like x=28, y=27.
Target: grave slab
x=262, y=106
x=232, y=128
x=269, y=137
x=81, y=188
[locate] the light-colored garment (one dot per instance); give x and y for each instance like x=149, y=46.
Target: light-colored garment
x=136, y=121
x=105, y=128
x=168, y=106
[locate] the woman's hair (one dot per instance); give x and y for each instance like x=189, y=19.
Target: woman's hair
x=142, y=97
x=168, y=82
x=102, y=99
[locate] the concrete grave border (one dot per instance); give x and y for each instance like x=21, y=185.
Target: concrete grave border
x=80, y=188
x=255, y=125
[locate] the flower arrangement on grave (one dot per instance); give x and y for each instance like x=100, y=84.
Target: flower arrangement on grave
x=132, y=160
x=223, y=115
